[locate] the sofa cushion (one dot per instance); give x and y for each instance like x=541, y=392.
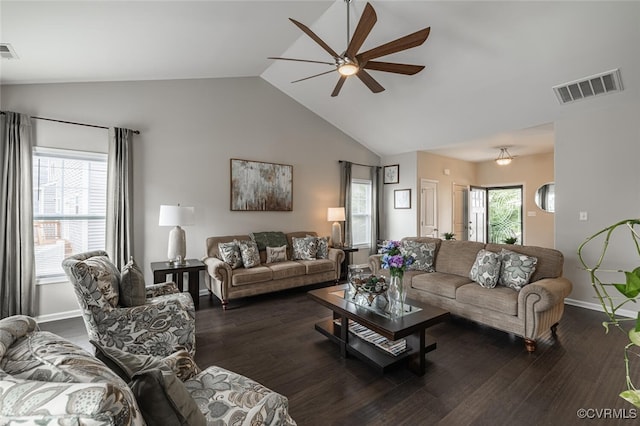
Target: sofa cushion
x=268, y=239
x=230, y=253
x=517, y=269
x=499, y=299
x=132, y=286
x=106, y=276
x=439, y=283
x=250, y=253
x=304, y=248
x=317, y=266
x=323, y=247
x=486, y=269
x=423, y=254
x=457, y=257
x=244, y=276
x=550, y=261
x=287, y=269
x=276, y=254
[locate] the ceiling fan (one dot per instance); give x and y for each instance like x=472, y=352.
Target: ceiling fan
x=351, y=63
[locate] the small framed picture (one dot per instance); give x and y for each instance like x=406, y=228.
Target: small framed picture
x=392, y=174
x=402, y=199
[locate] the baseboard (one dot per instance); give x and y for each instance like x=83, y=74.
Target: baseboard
x=597, y=307
x=58, y=316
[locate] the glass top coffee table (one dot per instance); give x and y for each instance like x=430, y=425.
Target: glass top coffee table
x=379, y=329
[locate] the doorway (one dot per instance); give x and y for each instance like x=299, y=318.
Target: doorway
x=477, y=214
x=504, y=214
x=428, y=208
x=460, y=211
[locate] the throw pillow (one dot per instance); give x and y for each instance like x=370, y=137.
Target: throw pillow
x=304, y=248
x=423, y=255
x=132, y=286
x=230, y=254
x=323, y=247
x=276, y=254
x=163, y=399
x=250, y=253
x=106, y=276
x=486, y=268
x=182, y=365
x=268, y=239
x=517, y=269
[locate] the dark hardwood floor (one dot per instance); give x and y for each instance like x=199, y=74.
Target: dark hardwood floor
x=477, y=375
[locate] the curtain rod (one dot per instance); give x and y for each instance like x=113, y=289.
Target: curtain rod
x=73, y=122
x=358, y=164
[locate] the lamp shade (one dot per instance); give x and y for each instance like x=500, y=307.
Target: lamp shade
x=335, y=214
x=176, y=215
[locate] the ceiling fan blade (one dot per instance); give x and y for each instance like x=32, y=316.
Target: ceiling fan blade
x=315, y=38
x=336, y=90
x=398, y=45
x=369, y=81
x=393, y=67
x=365, y=25
x=301, y=60
x=316, y=75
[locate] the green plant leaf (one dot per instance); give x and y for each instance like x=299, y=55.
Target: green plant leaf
x=638, y=323
x=633, y=396
x=605, y=324
x=634, y=336
x=631, y=288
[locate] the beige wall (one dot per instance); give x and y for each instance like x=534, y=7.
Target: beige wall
x=531, y=171
x=189, y=131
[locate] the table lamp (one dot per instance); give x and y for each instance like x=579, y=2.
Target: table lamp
x=336, y=215
x=176, y=216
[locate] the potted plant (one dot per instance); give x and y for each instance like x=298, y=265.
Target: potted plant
x=449, y=236
x=510, y=240
x=613, y=296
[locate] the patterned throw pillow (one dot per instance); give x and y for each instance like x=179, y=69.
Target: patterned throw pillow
x=230, y=254
x=132, y=286
x=323, y=248
x=304, y=248
x=486, y=269
x=276, y=254
x=106, y=276
x=517, y=269
x=250, y=253
x=423, y=255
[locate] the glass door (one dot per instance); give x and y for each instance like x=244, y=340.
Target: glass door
x=504, y=214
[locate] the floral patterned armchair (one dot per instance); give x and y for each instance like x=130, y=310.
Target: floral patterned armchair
x=162, y=321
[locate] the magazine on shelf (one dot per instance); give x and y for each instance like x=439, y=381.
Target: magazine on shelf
x=394, y=347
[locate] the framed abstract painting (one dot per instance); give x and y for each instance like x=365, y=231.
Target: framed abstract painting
x=260, y=186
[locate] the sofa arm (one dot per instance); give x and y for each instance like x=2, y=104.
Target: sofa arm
x=219, y=275
x=544, y=293
x=161, y=289
x=375, y=263
x=337, y=256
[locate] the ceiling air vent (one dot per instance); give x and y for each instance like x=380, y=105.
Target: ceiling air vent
x=595, y=85
x=7, y=52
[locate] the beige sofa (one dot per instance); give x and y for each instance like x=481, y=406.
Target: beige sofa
x=227, y=283
x=528, y=313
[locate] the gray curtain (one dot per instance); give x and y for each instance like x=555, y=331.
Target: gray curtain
x=345, y=199
x=120, y=196
x=17, y=263
x=376, y=196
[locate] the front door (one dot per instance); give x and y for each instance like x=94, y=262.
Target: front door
x=477, y=214
x=460, y=212
x=428, y=208
x=504, y=213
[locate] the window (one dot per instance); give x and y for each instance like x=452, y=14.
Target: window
x=69, y=206
x=361, y=212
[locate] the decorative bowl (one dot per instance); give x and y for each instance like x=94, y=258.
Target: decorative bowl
x=370, y=286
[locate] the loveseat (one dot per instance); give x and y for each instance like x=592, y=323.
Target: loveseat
x=529, y=308
x=45, y=379
x=279, y=267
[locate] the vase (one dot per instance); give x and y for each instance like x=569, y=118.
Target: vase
x=396, y=295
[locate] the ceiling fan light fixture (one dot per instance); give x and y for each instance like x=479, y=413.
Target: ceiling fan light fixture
x=504, y=157
x=348, y=69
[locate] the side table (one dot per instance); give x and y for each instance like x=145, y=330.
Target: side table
x=347, y=260
x=192, y=267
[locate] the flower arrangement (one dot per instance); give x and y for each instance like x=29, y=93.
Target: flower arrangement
x=394, y=259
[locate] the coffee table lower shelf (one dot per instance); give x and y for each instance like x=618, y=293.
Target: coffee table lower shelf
x=369, y=353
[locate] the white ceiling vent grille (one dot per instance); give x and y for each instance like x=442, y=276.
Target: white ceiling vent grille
x=595, y=85
x=7, y=52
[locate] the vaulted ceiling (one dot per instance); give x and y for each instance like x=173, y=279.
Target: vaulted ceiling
x=490, y=66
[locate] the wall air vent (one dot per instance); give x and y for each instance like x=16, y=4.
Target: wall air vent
x=595, y=85
x=7, y=51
